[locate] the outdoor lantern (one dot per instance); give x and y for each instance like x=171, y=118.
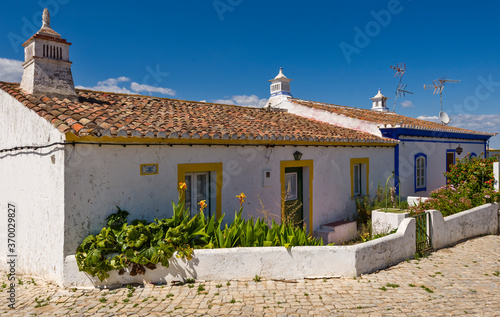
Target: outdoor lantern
x=297, y=155
x=459, y=150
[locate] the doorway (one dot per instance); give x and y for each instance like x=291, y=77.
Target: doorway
x=294, y=202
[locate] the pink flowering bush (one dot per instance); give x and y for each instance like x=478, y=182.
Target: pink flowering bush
x=470, y=184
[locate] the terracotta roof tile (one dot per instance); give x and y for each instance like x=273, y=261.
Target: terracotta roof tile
x=384, y=119
x=99, y=113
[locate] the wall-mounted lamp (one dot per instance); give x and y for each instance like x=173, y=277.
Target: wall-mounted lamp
x=459, y=150
x=297, y=155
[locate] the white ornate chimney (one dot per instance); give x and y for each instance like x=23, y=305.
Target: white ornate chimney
x=280, y=89
x=379, y=102
x=47, y=69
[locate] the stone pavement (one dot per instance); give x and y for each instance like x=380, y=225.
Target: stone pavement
x=457, y=281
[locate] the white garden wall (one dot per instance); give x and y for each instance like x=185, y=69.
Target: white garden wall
x=33, y=180
x=270, y=263
x=467, y=224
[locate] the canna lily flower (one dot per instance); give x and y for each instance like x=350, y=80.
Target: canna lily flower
x=241, y=197
x=182, y=186
x=203, y=204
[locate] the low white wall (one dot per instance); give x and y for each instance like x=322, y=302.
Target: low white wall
x=234, y=263
x=386, y=251
x=384, y=222
x=415, y=200
x=467, y=224
x=269, y=263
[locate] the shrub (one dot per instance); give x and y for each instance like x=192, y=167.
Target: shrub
x=142, y=245
x=473, y=172
x=470, y=184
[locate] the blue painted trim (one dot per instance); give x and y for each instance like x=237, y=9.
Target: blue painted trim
x=396, y=168
x=473, y=154
x=394, y=133
x=281, y=93
x=441, y=141
x=423, y=188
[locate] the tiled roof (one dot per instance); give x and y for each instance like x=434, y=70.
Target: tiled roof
x=384, y=119
x=109, y=114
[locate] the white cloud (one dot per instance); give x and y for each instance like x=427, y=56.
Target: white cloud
x=484, y=122
x=117, y=85
x=110, y=85
x=429, y=118
x=164, y=91
x=11, y=70
x=243, y=100
x=407, y=104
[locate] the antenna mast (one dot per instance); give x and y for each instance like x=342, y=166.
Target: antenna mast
x=401, y=89
x=438, y=86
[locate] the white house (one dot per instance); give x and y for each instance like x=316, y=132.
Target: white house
x=425, y=149
x=68, y=157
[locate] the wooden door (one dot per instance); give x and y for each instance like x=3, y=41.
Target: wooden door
x=294, y=209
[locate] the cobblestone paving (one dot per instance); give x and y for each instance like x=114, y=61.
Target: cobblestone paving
x=458, y=281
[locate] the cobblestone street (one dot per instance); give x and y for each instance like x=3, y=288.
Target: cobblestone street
x=457, y=281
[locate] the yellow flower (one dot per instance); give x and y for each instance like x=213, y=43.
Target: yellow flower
x=241, y=197
x=182, y=186
x=203, y=204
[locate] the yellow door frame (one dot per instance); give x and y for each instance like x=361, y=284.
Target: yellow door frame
x=182, y=169
x=304, y=163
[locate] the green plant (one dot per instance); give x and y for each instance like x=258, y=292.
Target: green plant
x=140, y=245
x=257, y=278
x=469, y=184
x=392, y=285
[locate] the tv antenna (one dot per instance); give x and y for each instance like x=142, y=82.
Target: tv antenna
x=438, y=86
x=401, y=89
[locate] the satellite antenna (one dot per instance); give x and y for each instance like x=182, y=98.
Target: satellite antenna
x=438, y=86
x=401, y=89
x=443, y=116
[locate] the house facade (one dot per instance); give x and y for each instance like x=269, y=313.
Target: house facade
x=425, y=150
x=69, y=157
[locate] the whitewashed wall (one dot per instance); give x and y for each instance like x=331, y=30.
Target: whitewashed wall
x=330, y=117
x=474, y=222
x=33, y=180
x=100, y=178
x=245, y=263
x=436, y=161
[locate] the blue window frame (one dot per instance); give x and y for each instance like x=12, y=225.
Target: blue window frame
x=473, y=155
x=420, y=166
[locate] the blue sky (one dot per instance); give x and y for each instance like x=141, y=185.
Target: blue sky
x=225, y=50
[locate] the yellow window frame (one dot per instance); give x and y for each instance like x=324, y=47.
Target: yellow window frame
x=366, y=162
x=182, y=169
